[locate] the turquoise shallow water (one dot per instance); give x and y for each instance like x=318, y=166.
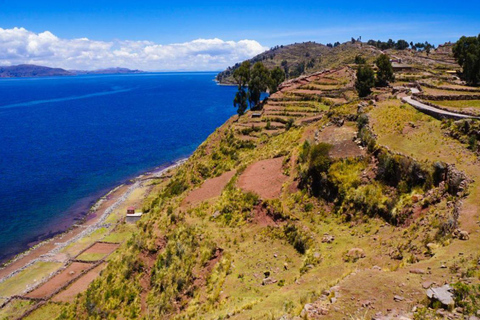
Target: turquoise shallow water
x=65, y=141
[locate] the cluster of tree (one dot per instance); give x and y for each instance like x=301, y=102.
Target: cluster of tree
x=366, y=79
x=467, y=53
x=390, y=44
x=336, y=44
x=252, y=81
x=401, y=45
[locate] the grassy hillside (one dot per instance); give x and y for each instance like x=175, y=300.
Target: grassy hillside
x=324, y=206
x=305, y=58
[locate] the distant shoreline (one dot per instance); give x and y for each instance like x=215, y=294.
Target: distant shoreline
x=91, y=214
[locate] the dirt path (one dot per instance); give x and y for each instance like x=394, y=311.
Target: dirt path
x=435, y=112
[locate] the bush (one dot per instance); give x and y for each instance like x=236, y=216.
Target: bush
x=365, y=80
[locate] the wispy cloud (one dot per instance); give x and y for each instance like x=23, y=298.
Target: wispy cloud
x=19, y=45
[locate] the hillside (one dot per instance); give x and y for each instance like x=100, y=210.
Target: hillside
x=30, y=70
x=320, y=206
x=307, y=57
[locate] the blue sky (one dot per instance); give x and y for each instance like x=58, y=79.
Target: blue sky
x=267, y=22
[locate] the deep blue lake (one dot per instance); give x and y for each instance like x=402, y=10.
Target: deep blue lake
x=65, y=141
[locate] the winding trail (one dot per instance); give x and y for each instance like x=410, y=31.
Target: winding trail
x=435, y=112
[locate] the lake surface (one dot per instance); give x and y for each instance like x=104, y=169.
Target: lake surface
x=65, y=141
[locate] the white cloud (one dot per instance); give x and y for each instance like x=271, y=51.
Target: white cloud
x=19, y=45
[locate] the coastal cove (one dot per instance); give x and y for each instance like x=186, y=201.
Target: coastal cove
x=66, y=141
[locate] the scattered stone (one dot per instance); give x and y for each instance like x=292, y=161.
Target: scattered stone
x=216, y=214
x=71, y=273
x=268, y=281
x=398, y=298
x=312, y=310
x=355, y=254
x=417, y=271
x=366, y=303
x=285, y=266
x=443, y=294
x=328, y=238
x=377, y=268
x=427, y=284
x=275, y=255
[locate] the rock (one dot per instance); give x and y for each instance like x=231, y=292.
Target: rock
x=443, y=294
x=71, y=273
x=268, y=281
x=216, y=214
x=416, y=198
x=463, y=235
x=398, y=298
x=355, y=254
x=285, y=266
x=328, y=239
x=417, y=271
x=427, y=284
x=432, y=246
x=312, y=310
x=377, y=268
x=366, y=303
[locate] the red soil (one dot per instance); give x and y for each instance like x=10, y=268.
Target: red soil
x=100, y=247
x=79, y=286
x=264, y=178
x=211, y=188
x=61, y=279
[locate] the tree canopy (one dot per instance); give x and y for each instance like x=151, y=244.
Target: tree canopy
x=365, y=80
x=385, y=70
x=467, y=53
x=259, y=80
x=252, y=81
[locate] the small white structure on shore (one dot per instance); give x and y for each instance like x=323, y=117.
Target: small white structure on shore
x=132, y=216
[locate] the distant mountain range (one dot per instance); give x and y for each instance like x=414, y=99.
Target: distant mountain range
x=30, y=70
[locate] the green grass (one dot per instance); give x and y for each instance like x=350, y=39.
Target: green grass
x=460, y=104
x=91, y=256
x=33, y=274
x=14, y=309
x=46, y=312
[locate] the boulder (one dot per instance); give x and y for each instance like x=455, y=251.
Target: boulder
x=442, y=294
x=268, y=281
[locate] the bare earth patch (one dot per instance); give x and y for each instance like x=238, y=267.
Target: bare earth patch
x=101, y=247
x=264, y=178
x=342, y=140
x=211, y=188
x=61, y=279
x=69, y=294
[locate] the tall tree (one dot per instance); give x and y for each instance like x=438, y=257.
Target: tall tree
x=242, y=77
x=259, y=80
x=365, y=80
x=277, y=76
x=467, y=53
x=242, y=74
x=385, y=70
x=241, y=101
